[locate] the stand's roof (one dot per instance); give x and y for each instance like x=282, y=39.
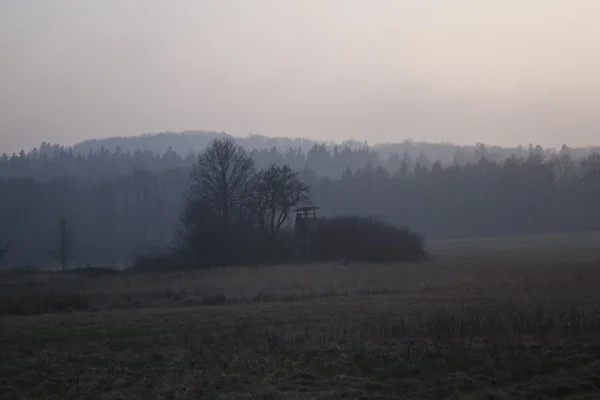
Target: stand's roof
x=307, y=208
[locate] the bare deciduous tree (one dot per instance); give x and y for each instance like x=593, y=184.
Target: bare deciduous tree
x=219, y=178
x=63, y=246
x=272, y=195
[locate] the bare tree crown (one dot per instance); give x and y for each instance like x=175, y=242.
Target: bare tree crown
x=272, y=195
x=219, y=176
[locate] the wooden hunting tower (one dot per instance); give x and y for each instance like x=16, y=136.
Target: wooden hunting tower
x=306, y=220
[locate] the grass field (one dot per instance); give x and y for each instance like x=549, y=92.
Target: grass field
x=514, y=318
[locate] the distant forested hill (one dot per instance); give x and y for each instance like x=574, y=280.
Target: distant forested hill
x=194, y=141
x=191, y=141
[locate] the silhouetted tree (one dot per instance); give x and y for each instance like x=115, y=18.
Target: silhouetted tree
x=219, y=179
x=272, y=194
x=63, y=246
x=214, y=214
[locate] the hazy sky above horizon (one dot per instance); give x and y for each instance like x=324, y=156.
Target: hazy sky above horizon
x=501, y=72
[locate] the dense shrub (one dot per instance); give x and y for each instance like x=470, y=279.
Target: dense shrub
x=364, y=239
x=92, y=272
x=340, y=239
x=245, y=247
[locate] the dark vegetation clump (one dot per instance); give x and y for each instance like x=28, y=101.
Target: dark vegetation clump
x=339, y=239
x=358, y=239
x=235, y=215
x=93, y=271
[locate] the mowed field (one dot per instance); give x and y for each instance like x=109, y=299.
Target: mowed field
x=514, y=318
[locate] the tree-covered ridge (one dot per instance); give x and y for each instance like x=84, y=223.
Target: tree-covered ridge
x=195, y=141
x=113, y=157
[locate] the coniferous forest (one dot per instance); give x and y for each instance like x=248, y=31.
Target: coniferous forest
x=123, y=197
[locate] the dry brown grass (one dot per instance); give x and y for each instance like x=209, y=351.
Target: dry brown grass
x=466, y=267
x=495, y=322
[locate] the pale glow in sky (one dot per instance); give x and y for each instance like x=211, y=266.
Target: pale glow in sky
x=501, y=72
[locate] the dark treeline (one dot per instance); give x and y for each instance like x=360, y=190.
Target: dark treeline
x=112, y=157
x=120, y=202
x=518, y=196
x=110, y=219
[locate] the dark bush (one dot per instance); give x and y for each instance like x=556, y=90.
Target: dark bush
x=359, y=239
x=240, y=248
x=92, y=272
x=350, y=239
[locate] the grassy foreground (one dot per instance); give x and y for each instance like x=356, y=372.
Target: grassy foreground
x=490, y=319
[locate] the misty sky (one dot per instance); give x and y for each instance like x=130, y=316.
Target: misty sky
x=501, y=72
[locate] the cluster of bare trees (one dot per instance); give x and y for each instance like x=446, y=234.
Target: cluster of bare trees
x=229, y=198
x=271, y=196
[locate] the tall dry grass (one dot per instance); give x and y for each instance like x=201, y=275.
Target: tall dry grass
x=497, y=322
x=464, y=273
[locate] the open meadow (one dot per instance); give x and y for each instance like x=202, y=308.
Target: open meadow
x=514, y=318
